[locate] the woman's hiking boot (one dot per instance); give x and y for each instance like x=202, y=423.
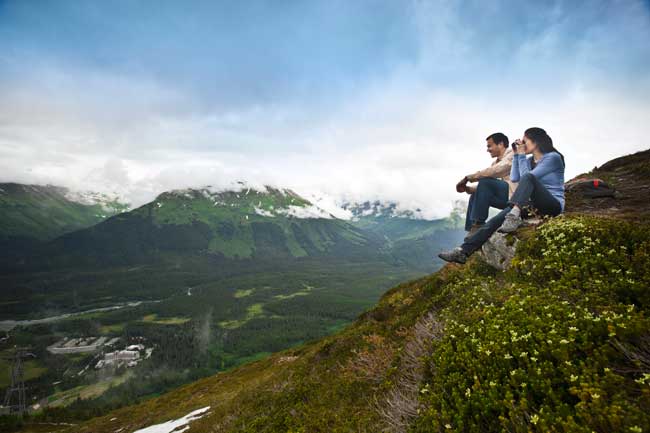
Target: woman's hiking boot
x=511, y=223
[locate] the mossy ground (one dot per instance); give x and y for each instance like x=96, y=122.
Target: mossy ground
x=546, y=346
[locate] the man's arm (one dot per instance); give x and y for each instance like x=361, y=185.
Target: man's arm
x=497, y=170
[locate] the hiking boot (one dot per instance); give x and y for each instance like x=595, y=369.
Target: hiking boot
x=454, y=256
x=510, y=224
x=475, y=227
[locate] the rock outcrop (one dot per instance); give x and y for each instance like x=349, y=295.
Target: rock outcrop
x=499, y=250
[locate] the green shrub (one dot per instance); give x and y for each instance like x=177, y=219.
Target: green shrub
x=539, y=349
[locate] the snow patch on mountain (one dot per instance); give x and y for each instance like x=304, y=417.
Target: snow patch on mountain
x=177, y=425
x=330, y=205
x=109, y=201
x=263, y=212
x=379, y=209
x=305, y=212
x=237, y=186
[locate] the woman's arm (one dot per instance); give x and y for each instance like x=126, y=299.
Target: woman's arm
x=549, y=163
x=519, y=167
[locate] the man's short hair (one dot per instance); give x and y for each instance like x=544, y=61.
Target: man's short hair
x=499, y=137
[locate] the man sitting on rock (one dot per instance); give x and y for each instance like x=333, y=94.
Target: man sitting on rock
x=494, y=185
x=540, y=187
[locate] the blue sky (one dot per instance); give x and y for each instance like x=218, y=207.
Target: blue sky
x=392, y=96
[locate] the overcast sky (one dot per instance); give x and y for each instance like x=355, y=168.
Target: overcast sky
x=362, y=99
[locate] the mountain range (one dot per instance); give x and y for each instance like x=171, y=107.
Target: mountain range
x=209, y=277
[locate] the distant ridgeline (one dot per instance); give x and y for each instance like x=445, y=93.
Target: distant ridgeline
x=234, y=224
x=558, y=342
x=35, y=212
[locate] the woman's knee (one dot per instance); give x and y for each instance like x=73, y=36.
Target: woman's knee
x=527, y=177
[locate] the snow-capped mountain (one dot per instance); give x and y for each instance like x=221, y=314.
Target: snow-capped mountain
x=46, y=211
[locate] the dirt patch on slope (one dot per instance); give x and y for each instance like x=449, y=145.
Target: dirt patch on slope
x=630, y=177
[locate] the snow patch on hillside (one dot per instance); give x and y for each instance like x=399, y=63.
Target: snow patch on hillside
x=178, y=425
x=379, y=208
x=263, y=212
x=236, y=186
x=107, y=200
x=329, y=205
x=305, y=212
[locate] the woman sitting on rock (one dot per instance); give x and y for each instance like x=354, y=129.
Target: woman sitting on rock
x=540, y=185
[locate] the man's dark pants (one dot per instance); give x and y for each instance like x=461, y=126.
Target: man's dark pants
x=530, y=192
x=490, y=192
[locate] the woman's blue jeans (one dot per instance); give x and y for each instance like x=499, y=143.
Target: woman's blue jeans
x=530, y=192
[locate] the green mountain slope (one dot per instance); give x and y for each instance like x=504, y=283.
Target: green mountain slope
x=253, y=222
x=188, y=238
x=262, y=225
x=412, y=239
x=45, y=212
x=559, y=342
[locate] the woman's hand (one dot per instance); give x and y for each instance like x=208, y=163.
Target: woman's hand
x=521, y=147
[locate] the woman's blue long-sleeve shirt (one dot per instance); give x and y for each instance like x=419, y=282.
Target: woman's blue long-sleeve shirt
x=549, y=171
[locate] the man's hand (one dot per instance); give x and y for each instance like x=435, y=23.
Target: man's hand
x=462, y=185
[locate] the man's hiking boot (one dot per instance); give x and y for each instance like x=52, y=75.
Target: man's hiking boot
x=454, y=256
x=475, y=227
x=510, y=224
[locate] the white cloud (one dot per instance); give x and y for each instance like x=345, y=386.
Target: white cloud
x=406, y=135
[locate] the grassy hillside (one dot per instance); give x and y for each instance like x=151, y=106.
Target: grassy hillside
x=559, y=342
x=45, y=212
